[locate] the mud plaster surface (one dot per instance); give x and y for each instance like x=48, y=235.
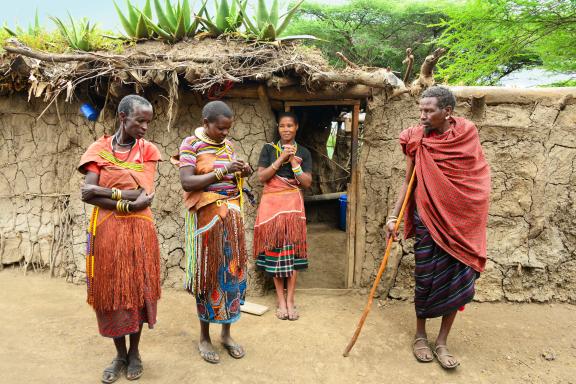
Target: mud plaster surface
x=39, y=181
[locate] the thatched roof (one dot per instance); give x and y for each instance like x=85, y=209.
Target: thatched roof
x=198, y=65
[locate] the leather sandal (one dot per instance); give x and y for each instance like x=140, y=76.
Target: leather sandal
x=442, y=357
x=114, y=370
x=415, y=350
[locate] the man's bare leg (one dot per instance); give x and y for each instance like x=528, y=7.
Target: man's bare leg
x=442, y=353
x=420, y=347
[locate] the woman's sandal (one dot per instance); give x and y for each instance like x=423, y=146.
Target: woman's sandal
x=114, y=370
x=442, y=357
x=415, y=350
x=236, y=350
x=135, y=368
x=210, y=356
x=281, y=314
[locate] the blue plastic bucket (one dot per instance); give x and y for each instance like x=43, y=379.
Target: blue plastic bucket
x=343, y=200
x=89, y=112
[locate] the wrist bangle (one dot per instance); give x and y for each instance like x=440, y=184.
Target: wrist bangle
x=116, y=194
x=392, y=220
x=297, y=171
x=274, y=167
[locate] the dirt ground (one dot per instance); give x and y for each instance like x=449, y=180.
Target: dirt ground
x=48, y=334
x=327, y=250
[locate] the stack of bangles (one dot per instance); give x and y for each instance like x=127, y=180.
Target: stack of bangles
x=220, y=173
x=123, y=206
x=391, y=219
x=297, y=171
x=116, y=194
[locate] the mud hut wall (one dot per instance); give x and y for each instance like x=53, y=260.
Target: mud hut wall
x=530, y=144
x=38, y=180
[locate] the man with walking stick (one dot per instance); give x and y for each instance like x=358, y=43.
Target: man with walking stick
x=447, y=213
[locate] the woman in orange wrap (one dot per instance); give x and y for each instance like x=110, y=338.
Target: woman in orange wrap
x=280, y=230
x=123, y=256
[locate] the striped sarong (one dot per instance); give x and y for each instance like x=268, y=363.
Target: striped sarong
x=281, y=261
x=443, y=283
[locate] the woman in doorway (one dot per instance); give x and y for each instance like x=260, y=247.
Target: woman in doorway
x=123, y=256
x=211, y=176
x=280, y=230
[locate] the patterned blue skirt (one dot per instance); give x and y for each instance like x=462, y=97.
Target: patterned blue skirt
x=443, y=283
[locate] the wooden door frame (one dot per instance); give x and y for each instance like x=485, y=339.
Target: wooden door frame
x=352, y=208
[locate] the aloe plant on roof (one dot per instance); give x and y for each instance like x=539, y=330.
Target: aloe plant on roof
x=268, y=25
x=32, y=30
x=134, y=23
x=175, y=22
x=228, y=17
x=76, y=35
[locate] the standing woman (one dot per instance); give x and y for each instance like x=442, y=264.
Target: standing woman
x=123, y=256
x=280, y=229
x=211, y=176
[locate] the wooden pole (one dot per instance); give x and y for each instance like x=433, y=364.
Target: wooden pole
x=381, y=270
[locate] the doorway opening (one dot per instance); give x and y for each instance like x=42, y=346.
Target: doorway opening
x=326, y=129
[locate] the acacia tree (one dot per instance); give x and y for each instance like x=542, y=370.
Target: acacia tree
x=488, y=39
x=371, y=32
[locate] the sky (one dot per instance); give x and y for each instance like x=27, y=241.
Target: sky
x=101, y=11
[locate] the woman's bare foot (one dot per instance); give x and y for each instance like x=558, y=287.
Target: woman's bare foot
x=293, y=312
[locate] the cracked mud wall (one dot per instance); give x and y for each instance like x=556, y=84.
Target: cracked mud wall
x=530, y=143
x=42, y=219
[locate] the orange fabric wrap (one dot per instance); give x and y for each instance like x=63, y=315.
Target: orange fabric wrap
x=126, y=248
x=281, y=219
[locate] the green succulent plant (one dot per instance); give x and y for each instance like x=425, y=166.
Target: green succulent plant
x=268, y=25
x=32, y=30
x=77, y=35
x=134, y=23
x=175, y=22
x=228, y=17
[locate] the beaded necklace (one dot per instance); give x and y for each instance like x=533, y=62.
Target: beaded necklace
x=201, y=134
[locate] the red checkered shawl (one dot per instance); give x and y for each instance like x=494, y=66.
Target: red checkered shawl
x=452, y=189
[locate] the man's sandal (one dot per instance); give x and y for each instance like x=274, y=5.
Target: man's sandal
x=114, y=370
x=442, y=357
x=419, y=356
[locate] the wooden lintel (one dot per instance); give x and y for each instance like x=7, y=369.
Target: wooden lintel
x=313, y=103
x=301, y=94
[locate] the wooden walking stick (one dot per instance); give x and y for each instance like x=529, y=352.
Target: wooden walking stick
x=382, y=268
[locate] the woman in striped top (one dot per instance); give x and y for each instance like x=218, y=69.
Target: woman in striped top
x=211, y=175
